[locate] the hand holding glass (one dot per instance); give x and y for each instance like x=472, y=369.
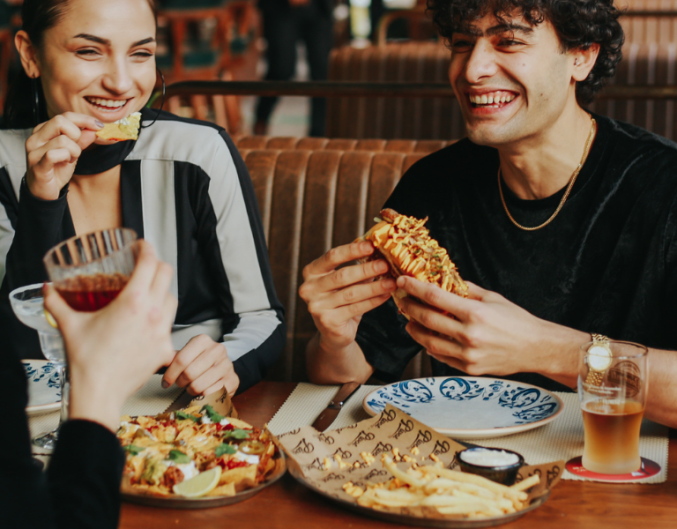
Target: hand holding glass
x=88, y=271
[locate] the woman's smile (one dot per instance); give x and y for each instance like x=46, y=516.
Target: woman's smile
x=107, y=105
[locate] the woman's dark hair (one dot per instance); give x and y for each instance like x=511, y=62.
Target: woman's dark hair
x=578, y=23
x=37, y=17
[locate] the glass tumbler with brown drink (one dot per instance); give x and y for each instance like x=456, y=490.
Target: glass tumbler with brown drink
x=612, y=388
x=89, y=271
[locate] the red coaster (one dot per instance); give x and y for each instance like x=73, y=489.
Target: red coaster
x=649, y=468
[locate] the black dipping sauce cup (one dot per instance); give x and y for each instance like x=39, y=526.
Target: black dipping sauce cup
x=505, y=475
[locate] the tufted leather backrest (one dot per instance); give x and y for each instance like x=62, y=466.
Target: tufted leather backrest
x=374, y=145
x=385, y=117
x=311, y=201
x=645, y=64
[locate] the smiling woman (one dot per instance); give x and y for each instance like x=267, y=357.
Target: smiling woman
x=181, y=185
x=36, y=43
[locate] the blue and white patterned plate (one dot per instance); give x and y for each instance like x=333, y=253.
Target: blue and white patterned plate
x=469, y=407
x=44, y=393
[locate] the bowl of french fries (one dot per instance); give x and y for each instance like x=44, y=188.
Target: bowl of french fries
x=395, y=468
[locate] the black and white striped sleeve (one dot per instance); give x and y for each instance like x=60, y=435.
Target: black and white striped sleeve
x=258, y=337
x=201, y=214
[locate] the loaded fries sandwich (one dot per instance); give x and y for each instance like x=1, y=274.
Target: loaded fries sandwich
x=405, y=243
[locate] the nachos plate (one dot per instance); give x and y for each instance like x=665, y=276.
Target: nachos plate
x=173, y=447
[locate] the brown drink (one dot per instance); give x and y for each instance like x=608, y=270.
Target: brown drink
x=91, y=293
x=612, y=387
x=612, y=437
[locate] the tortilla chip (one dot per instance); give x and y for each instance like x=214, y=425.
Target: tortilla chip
x=241, y=477
x=123, y=129
x=237, y=423
x=223, y=490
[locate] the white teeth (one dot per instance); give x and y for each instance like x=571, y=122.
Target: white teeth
x=108, y=103
x=493, y=98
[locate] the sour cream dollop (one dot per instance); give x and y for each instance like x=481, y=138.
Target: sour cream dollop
x=486, y=457
x=189, y=470
x=249, y=459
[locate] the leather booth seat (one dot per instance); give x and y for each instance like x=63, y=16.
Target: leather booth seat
x=388, y=117
x=645, y=64
x=374, y=145
x=311, y=201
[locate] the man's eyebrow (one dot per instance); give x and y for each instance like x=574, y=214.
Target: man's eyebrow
x=510, y=27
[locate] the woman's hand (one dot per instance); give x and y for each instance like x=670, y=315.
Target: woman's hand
x=202, y=365
x=53, y=150
x=114, y=351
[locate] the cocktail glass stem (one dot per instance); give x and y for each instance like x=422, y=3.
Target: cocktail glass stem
x=65, y=394
x=53, y=348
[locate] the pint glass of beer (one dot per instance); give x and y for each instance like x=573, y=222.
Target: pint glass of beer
x=612, y=387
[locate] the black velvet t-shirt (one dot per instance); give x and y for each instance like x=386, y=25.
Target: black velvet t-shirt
x=606, y=264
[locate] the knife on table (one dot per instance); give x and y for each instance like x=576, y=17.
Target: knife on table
x=328, y=415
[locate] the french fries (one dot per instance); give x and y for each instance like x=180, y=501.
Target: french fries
x=451, y=493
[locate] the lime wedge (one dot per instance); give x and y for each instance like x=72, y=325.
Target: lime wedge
x=50, y=319
x=200, y=485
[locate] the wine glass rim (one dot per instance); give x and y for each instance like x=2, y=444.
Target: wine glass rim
x=65, y=242
x=643, y=349
x=34, y=286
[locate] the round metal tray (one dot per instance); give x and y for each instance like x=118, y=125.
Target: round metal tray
x=454, y=523
x=177, y=502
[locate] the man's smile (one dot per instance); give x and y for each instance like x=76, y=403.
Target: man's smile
x=489, y=101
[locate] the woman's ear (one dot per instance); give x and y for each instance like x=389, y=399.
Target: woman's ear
x=583, y=61
x=27, y=54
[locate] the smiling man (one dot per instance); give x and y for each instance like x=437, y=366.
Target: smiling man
x=564, y=222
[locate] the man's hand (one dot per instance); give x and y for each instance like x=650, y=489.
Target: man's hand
x=489, y=333
x=114, y=351
x=338, y=297
x=202, y=365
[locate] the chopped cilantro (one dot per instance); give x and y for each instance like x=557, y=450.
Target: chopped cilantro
x=236, y=433
x=225, y=449
x=185, y=416
x=213, y=415
x=133, y=449
x=179, y=457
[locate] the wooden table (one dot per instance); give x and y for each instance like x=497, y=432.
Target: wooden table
x=288, y=504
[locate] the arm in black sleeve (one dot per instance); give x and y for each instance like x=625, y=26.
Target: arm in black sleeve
x=22, y=484
x=84, y=477
x=381, y=335
x=81, y=488
x=37, y=228
x=33, y=226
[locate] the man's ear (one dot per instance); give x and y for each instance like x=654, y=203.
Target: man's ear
x=27, y=54
x=583, y=61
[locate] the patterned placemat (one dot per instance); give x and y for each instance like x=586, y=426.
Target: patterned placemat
x=151, y=399
x=560, y=439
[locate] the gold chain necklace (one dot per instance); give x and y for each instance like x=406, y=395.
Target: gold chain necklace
x=572, y=181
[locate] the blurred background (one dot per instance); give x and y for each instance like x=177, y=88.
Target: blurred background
x=354, y=40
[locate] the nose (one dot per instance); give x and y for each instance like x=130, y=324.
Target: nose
x=481, y=62
x=118, y=78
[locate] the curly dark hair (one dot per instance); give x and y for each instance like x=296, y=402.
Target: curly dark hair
x=578, y=23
